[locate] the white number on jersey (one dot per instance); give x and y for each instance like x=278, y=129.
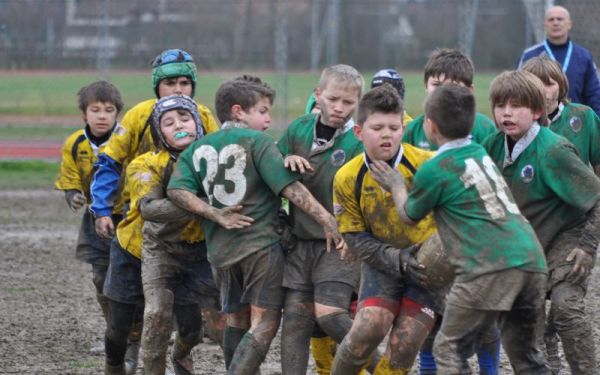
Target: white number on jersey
x=495, y=199
x=233, y=174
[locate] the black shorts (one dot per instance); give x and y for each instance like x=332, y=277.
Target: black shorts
x=309, y=264
x=91, y=248
x=124, y=276
x=255, y=280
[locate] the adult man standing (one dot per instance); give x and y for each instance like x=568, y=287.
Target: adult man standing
x=576, y=61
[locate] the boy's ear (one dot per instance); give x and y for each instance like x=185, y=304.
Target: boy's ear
x=317, y=93
x=537, y=114
x=358, y=131
x=236, y=112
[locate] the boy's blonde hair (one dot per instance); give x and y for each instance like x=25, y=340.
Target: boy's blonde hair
x=519, y=88
x=546, y=69
x=342, y=74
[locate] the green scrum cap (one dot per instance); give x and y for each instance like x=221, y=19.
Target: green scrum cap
x=173, y=63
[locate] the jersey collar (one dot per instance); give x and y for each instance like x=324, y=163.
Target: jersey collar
x=520, y=146
x=319, y=144
x=396, y=160
x=456, y=143
x=561, y=106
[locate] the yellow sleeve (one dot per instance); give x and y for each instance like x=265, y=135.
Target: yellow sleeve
x=406, y=118
x=124, y=143
x=345, y=206
x=69, y=177
x=208, y=120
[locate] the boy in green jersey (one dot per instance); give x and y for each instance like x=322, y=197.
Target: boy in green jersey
x=445, y=66
x=319, y=285
x=576, y=122
x=499, y=263
x=558, y=194
x=240, y=166
x=372, y=228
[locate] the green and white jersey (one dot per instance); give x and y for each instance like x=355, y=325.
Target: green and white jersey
x=479, y=223
x=326, y=158
x=235, y=166
x=414, y=133
x=580, y=125
x=551, y=185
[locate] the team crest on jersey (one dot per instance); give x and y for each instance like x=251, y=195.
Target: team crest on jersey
x=527, y=173
x=575, y=124
x=338, y=158
x=119, y=129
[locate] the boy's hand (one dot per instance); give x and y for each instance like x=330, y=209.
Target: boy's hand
x=582, y=267
x=75, y=199
x=297, y=164
x=411, y=267
x=230, y=218
x=386, y=176
x=105, y=227
x=333, y=236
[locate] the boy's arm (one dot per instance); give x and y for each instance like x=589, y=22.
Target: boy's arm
x=391, y=180
x=299, y=195
x=585, y=252
x=227, y=217
x=155, y=206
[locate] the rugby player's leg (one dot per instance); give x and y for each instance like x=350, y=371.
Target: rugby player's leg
x=297, y=326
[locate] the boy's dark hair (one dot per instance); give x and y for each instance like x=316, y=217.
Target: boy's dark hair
x=245, y=91
x=381, y=99
x=546, y=69
x=452, y=63
x=452, y=108
x=520, y=88
x=99, y=91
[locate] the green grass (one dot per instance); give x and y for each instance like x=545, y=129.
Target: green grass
x=28, y=174
x=54, y=93
x=11, y=132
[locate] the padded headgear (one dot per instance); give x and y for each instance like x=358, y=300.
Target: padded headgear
x=173, y=63
x=169, y=103
x=389, y=76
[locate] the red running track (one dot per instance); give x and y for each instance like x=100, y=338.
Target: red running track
x=30, y=150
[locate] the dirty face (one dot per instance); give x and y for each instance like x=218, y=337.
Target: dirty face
x=258, y=117
x=513, y=119
x=381, y=135
x=337, y=103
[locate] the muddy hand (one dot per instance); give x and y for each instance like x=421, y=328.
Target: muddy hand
x=411, y=267
x=386, y=176
x=230, y=218
x=297, y=164
x=582, y=267
x=75, y=199
x=105, y=227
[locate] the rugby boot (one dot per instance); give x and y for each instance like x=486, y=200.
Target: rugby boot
x=183, y=365
x=114, y=370
x=131, y=356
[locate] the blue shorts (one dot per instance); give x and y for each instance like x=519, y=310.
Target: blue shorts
x=124, y=276
x=383, y=290
x=255, y=280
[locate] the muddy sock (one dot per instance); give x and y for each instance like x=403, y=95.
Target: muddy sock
x=114, y=370
x=323, y=350
x=336, y=325
x=248, y=356
x=117, y=329
x=103, y=302
x=231, y=338
x=297, y=327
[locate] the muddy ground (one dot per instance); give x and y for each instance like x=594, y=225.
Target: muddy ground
x=49, y=318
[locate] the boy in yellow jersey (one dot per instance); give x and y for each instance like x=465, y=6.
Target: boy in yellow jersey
x=388, y=298
x=100, y=103
x=176, y=275
x=173, y=72
x=145, y=177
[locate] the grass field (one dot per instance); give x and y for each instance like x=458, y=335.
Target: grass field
x=54, y=93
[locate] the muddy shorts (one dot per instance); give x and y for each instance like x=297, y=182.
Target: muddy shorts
x=556, y=255
x=309, y=264
x=383, y=290
x=124, y=276
x=254, y=280
x=91, y=248
x=188, y=275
